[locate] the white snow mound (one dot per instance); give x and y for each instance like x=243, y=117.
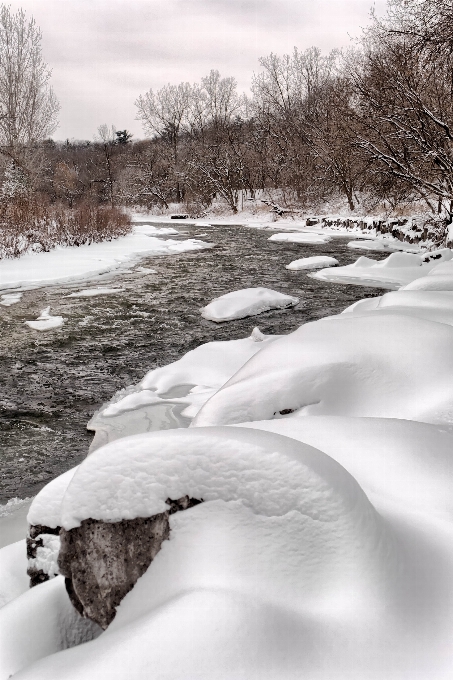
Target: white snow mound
x=312, y=262
x=300, y=237
x=246, y=302
x=345, y=365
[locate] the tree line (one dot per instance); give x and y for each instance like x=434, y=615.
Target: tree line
x=372, y=123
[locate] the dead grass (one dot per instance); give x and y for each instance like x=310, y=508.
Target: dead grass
x=31, y=225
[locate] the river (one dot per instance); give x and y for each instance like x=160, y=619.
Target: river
x=52, y=382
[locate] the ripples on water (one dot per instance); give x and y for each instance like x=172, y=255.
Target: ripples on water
x=52, y=382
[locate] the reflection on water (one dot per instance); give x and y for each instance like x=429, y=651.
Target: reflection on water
x=53, y=382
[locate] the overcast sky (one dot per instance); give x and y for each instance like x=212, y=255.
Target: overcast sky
x=104, y=53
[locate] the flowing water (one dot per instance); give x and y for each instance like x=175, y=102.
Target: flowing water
x=52, y=382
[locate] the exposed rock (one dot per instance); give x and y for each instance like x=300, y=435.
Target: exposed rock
x=102, y=561
x=42, y=553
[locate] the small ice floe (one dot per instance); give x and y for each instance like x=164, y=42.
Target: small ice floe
x=246, y=302
x=91, y=292
x=150, y=230
x=145, y=270
x=300, y=237
x=312, y=263
x=45, y=321
x=10, y=299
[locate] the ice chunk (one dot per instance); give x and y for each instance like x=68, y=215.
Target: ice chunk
x=91, y=292
x=45, y=321
x=246, y=302
x=10, y=299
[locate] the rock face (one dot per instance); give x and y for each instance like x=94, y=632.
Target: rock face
x=102, y=561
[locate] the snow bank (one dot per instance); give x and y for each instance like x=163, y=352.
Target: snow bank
x=13, y=571
x=430, y=305
x=395, y=271
x=45, y=322
x=300, y=237
x=405, y=462
x=170, y=396
x=67, y=264
x=345, y=365
x=383, y=245
x=312, y=262
x=246, y=302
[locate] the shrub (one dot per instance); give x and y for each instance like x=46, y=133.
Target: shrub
x=29, y=224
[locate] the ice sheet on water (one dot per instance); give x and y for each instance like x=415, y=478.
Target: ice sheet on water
x=10, y=299
x=315, y=262
x=45, y=321
x=300, y=237
x=92, y=292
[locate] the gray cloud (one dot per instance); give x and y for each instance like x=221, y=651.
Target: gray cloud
x=105, y=53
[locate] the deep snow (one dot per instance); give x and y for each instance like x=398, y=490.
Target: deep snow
x=323, y=548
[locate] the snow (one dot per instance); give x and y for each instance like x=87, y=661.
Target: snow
x=45, y=321
x=13, y=571
x=356, y=365
x=46, y=555
x=184, y=385
x=438, y=282
x=431, y=305
x=150, y=230
x=246, y=302
x=73, y=263
x=300, y=237
x=91, y=292
x=398, y=269
x=312, y=262
x=13, y=520
x=382, y=245
x=10, y=299
x=45, y=508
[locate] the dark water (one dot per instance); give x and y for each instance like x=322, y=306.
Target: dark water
x=52, y=382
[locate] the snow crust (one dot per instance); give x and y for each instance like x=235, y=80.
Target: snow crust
x=300, y=237
x=45, y=321
x=312, y=262
x=246, y=302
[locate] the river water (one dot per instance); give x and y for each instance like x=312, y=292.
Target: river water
x=52, y=382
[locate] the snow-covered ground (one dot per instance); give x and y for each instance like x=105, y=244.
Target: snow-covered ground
x=84, y=262
x=323, y=548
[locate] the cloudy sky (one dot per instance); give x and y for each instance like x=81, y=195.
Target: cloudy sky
x=104, y=53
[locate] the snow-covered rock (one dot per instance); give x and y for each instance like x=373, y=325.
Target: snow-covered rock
x=45, y=321
x=315, y=262
x=246, y=302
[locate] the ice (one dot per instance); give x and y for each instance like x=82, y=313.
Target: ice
x=381, y=245
x=45, y=321
x=300, y=237
x=381, y=365
x=72, y=263
x=399, y=269
x=246, y=302
x=150, y=230
x=145, y=270
x=312, y=262
x=10, y=299
x=170, y=396
x=91, y=292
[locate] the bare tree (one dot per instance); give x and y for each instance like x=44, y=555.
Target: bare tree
x=28, y=106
